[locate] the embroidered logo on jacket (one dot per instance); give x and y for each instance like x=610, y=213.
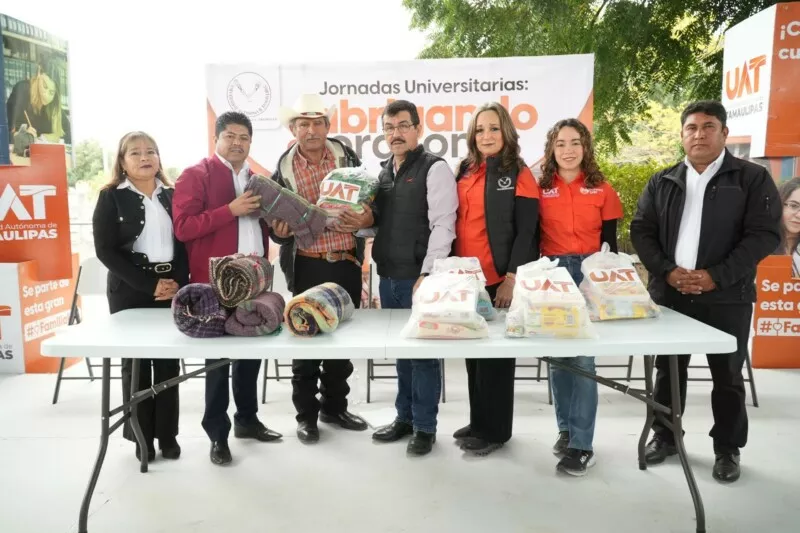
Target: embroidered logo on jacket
x=550, y=193
x=504, y=184
x=586, y=190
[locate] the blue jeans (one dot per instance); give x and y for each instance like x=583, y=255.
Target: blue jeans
x=575, y=397
x=419, y=381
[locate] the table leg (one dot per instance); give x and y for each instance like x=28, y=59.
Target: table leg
x=134, y=420
x=648, y=422
x=677, y=431
x=83, y=518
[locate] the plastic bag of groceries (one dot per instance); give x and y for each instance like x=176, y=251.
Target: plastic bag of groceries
x=613, y=289
x=470, y=267
x=547, y=303
x=347, y=187
x=445, y=306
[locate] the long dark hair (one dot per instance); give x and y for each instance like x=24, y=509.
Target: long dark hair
x=118, y=175
x=509, y=155
x=591, y=171
x=785, y=191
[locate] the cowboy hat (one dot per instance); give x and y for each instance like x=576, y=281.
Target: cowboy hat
x=307, y=105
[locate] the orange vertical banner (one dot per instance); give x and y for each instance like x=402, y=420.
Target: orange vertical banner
x=783, y=132
x=776, y=343
x=34, y=213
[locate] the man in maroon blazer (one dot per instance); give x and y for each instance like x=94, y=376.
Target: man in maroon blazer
x=211, y=216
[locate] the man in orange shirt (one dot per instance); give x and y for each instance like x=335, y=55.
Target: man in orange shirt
x=498, y=211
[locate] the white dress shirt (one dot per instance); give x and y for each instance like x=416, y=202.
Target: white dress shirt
x=689, y=232
x=251, y=239
x=156, y=240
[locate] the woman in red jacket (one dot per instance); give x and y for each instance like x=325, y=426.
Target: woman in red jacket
x=496, y=222
x=578, y=213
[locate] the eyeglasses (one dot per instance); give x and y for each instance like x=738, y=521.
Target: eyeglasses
x=403, y=127
x=794, y=207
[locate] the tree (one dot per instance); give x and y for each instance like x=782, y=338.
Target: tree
x=638, y=44
x=654, y=138
x=88, y=162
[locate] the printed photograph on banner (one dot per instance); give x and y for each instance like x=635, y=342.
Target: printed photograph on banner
x=789, y=192
x=254, y=90
x=537, y=91
x=35, y=93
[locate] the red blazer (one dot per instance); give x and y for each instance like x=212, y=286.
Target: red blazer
x=201, y=217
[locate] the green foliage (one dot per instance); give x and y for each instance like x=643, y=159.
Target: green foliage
x=629, y=180
x=88, y=162
x=638, y=45
x=654, y=137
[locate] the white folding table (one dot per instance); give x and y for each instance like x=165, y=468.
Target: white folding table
x=375, y=334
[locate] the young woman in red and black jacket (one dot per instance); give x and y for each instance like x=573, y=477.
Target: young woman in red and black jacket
x=496, y=222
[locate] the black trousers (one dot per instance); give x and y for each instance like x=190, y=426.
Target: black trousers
x=216, y=421
x=728, y=393
x=158, y=416
x=491, y=395
x=307, y=377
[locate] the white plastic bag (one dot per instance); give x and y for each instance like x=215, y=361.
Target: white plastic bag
x=470, y=267
x=445, y=307
x=547, y=303
x=613, y=289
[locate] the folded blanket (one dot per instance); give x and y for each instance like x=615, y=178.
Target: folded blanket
x=239, y=277
x=197, y=311
x=319, y=309
x=261, y=315
x=306, y=221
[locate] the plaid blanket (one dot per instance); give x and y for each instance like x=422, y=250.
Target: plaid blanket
x=319, y=309
x=307, y=221
x=261, y=315
x=197, y=311
x=238, y=277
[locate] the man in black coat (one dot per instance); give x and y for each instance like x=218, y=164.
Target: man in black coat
x=701, y=228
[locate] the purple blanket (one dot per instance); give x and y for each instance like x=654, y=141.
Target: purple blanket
x=197, y=311
x=306, y=221
x=261, y=315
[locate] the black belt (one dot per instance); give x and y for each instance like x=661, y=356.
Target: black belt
x=157, y=268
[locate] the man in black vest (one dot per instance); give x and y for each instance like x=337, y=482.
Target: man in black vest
x=701, y=228
x=415, y=214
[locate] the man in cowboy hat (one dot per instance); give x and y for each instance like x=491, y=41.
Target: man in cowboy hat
x=336, y=257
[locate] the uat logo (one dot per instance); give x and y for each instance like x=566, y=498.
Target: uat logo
x=339, y=190
x=446, y=296
x=744, y=80
x=546, y=285
x=613, y=276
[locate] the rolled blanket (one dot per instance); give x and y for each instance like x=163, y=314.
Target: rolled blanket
x=197, y=311
x=261, y=315
x=306, y=221
x=319, y=309
x=239, y=277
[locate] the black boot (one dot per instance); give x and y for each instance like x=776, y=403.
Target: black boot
x=393, y=432
x=421, y=443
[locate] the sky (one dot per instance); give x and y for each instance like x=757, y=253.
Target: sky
x=141, y=65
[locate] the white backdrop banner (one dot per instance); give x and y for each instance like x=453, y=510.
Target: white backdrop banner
x=537, y=91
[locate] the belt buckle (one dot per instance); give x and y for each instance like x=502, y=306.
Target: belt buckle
x=162, y=268
x=329, y=257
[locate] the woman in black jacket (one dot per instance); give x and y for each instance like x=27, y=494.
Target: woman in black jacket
x=498, y=211
x=133, y=238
